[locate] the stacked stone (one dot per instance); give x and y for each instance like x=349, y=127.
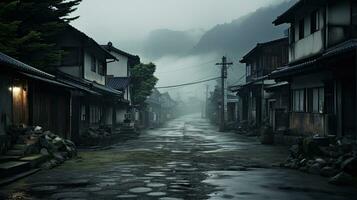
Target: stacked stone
x=97, y=133
x=49, y=144
x=335, y=159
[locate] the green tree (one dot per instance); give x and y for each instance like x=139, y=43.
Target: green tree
x=143, y=82
x=28, y=28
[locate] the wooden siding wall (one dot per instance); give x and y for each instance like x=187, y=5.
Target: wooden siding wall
x=308, y=123
x=20, y=105
x=50, y=108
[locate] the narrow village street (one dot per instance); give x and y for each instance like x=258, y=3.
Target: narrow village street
x=187, y=159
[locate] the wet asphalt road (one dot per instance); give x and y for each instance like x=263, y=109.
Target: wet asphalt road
x=187, y=159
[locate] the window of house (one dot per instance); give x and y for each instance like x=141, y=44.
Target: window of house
x=93, y=65
x=253, y=70
x=316, y=98
x=314, y=21
x=321, y=100
x=301, y=29
x=83, y=113
x=292, y=34
x=96, y=114
x=298, y=98
x=101, y=69
x=249, y=70
x=70, y=56
x=91, y=114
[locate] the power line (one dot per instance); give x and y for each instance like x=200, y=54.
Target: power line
x=186, y=84
x=188, y=67
x=241, y=78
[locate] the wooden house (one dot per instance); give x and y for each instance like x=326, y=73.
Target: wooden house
x=84, y=67
x=322, y=66
x=255, y=102
x=167, y=107
x=152, y=117
x=31, y=97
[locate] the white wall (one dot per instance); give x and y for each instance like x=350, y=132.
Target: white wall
x=306, y=47
x=337, y=14
x=88, y=73
x=311, y=44
x=118, y=68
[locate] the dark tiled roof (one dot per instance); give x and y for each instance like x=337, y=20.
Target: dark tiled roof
x=105, y=89
x=11, y=62
x=118, y=83
x=77, y=86
x=310, y=64
x=289, y=70
x=88, y=86
x=288, y=15
x=343, y=47
x=91, y=42
x=28, y=71
x=51, y=81
x=110, y=47
x=262, y=45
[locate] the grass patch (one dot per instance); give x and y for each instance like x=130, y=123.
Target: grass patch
x=91, y=160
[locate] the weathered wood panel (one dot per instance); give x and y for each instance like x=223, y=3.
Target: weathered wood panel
x=19, y=93
x=308, y=123
x=51, y=108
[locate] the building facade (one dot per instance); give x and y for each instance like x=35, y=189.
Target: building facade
x=31, y=97
x=256, y=104
x=84, y=67
x=322, y=67
x=118, y=78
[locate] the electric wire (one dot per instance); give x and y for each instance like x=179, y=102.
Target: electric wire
x=187, y=84
x=241, y=78
x=185, y=68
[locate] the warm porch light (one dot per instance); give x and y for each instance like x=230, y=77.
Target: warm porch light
x=15, y=89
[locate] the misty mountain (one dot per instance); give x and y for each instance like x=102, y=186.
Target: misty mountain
x=165, y=42
x=237, y=37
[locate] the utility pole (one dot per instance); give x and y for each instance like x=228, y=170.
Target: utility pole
x=206, y=106
x=224, y=65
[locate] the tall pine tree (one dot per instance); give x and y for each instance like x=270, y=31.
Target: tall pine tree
x=28, y=28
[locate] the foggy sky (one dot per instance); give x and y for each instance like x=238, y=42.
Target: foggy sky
x=126, y=22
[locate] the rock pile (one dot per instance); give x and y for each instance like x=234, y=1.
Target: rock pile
x=327, y=157
x=48, y=144
x=248, y=129
x=97, y=133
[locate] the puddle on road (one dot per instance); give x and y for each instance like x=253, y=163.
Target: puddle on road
x=262, y=184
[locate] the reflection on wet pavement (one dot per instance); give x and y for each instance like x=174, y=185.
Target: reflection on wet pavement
x=186, y=159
